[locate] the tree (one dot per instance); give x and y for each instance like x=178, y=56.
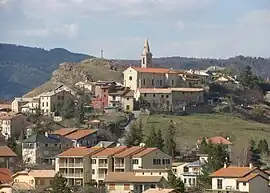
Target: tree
x=134, y=136
x=175, y=182
x=152, y=138
x=248, y=79
x=263, y=147
x=11, y=143
x=253, y=156
x=59, y=184
x=203, y=146
x=67, y=110
x=170, y=144
x=160, y=140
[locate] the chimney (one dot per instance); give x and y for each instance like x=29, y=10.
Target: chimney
x=142, y=144
x=250, y=165
x=101, y=144
x=77, y=145
x=118, y=144
x=225, y=165
x=46, y=134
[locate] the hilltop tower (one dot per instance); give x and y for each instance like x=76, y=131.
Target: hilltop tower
x=146, y=57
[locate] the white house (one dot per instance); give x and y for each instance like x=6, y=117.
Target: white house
x=240, y=179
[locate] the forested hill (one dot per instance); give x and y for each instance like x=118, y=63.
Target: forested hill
x=24, y=68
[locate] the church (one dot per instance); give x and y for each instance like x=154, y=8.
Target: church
x=162, y=86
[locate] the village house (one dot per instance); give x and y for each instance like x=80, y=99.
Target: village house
x=12, y=124
x=219, y=140
x=170, y=99
x=75, y=164
x=100, y=97
x=7, y=156
x=41, y=148
x=122, y=98
x=79, y=137
x=239, y=179
x=129, y=182
x=205, y=76
x=40, y=180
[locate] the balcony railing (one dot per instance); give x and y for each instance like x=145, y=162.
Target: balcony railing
x=102, y=165
x=68, y=165
x=119, y=165
x=72, y=175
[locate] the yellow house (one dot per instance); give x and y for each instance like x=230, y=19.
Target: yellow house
x=38, y=179
x=126, y=182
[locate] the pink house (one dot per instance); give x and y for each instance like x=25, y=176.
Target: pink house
x=100, y=98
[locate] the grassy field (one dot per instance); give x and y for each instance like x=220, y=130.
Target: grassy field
x=191, y=128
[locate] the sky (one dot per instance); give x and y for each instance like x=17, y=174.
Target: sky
x=191, y=28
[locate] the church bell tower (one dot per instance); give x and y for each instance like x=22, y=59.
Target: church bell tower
x=146, y=57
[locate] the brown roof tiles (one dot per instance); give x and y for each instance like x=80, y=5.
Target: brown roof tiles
x=5, y=175
x=144, y=152
x=80, y=151
x=129, y=151
x=233, y=171
x=110, y=151
x=5, y=151
x=80, y=133
x=250, y=177
x=65, y=131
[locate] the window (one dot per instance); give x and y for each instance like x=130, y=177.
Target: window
x=135, y=161
x=167, y=96
x=172, y=82
x=185, y=180
x=130, y=78
x=47, y=104
x=28, y=159
x=143, y=60
x=219, y=183
x=160, y=82
x=59, y=97
x=152, y=186
x=51, y=181
x=152, y=81
x=189, y=181
x=185, y=169
x=42, y=182
x=244, y=183
x=63, y=97
x=143, y=81
x=42, y=104
x=112, y=187
x=237, y=186
x=126, y=187
x=94, y=161
x=193, y=181
x=93, y=171
x=145, y=95
x=127, y=107
x=154, y=95
x=46, y=145
x=31, y=181
x=162, y=96
x=127, y=98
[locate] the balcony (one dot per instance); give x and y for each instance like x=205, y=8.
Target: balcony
x=119, y=165
x=70, y=165
x=102, y=165
x=72, y=175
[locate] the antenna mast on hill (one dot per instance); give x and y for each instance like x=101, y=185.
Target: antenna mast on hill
x=101, y=53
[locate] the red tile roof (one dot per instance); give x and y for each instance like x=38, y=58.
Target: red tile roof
x=154, y=70
x=5, y=175
x=80, y=133
x=233, y=171
x=144, y=152
x=65, y=131
x=110, y=151
x=5, y=151
x=129, y=151
x=80, y=151
x=250, y=177
x=217, y=140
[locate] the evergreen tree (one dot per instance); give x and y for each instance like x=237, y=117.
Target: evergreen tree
x=67, y=110
x=134, y=136
x=160, y=140
x=175, y=182
x=263, y=147
x=203, y=146
x=11, y=143
x=59, y=184
x=254, y=154
x=152, y=138
x=170, y=144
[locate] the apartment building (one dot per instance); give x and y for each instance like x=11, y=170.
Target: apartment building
x=12, y=124
x=41, y=148
x=75, y=164
x=239, y=179
x=126, y=182
x=79, y=137
x=102, y=162
x=40, y=180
